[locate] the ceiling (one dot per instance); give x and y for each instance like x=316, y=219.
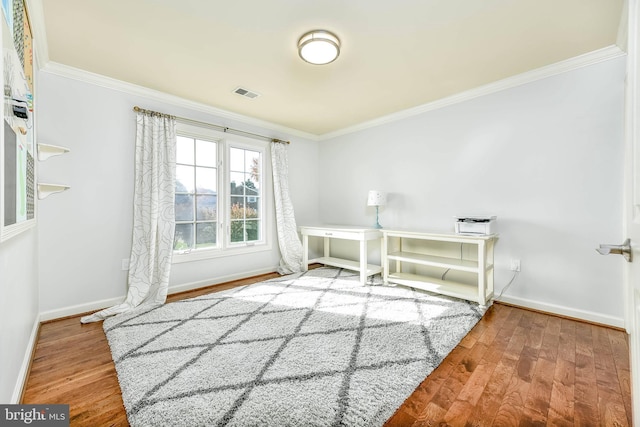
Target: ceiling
x=395, y=55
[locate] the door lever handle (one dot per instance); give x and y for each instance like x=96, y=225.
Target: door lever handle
x=623, y=249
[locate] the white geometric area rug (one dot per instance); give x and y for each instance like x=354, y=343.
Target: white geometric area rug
x=310, y=349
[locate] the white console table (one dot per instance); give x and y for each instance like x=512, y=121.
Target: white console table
x=329, y=232
x=424, y=260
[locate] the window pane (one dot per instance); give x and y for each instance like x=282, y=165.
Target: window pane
x=184, y=179
x=252, y=165
x=206, y=234
x=236, y=160
x=184, y=150
x=237, y=183
x=252, y=230
x=206, y=153
x=207, y=208
x=184, y=237
x=206, y=180
x=184, y=207
x=252, y=207
x=251, y=187
x=237, y=207
x=237, y=231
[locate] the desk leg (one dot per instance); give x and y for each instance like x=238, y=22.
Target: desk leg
x=363, y=261
x=398, y=265
x=305, y=252
x=482, y=275
x=384, y=260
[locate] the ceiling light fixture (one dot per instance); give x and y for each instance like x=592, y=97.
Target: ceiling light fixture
x=319, y=47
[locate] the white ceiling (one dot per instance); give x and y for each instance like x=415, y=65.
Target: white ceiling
x=396, y=54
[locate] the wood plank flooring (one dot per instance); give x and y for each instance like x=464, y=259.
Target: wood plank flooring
x=522, y=368
x=515, y=368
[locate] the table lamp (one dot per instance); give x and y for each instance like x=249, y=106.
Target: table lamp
x=377, y=198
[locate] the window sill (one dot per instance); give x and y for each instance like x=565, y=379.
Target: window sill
x=202, y=254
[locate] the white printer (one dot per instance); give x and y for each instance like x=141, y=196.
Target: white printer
x=476, y=225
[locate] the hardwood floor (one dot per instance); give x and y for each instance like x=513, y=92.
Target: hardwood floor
x=515, y=368
x=522, y=368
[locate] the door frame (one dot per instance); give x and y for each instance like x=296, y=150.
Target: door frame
x=632, y=194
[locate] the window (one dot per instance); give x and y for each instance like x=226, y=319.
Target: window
x=245, y=168
x=221, y=195
x=196, y=194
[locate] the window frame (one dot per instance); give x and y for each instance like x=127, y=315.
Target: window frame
x=224, y=247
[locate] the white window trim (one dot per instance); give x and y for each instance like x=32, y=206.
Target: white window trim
x=225, y=248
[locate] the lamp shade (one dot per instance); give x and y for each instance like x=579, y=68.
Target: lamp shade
x=376, y=198
x=319, y=47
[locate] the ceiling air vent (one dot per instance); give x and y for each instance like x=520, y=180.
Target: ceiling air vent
x=246, y=93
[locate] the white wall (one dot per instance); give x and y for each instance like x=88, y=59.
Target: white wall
x=545, y=157
x=85, y=232
x=18, y=310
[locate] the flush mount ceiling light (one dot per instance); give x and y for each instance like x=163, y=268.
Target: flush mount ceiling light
x=319, y=47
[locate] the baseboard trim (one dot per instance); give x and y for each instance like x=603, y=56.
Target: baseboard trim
x=75, y=310
x=176, y=289
x=25, y=368
x=574, y=313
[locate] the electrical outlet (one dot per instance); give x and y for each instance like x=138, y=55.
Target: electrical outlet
x=125, y=264
x=515, y=265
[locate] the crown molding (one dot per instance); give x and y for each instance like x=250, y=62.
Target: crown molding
x=62, y=70
x=574, y=63
x=580, y=61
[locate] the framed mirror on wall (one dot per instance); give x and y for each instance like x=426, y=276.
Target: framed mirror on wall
x=17, y=140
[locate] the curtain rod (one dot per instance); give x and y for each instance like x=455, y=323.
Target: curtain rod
x=223, y=128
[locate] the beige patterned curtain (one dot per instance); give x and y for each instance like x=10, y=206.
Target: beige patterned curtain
x=290, y=246
x=154, y=214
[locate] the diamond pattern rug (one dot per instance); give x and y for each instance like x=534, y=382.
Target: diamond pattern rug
x=310, y=349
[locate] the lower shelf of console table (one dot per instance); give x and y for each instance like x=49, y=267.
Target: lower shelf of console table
x=435, y=285
x=347, y=264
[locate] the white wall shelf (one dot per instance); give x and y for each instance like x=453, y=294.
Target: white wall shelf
x=45, y=190
x=47, y=150
x=422, y=261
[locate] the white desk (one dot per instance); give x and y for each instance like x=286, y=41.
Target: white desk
x=328, y=232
